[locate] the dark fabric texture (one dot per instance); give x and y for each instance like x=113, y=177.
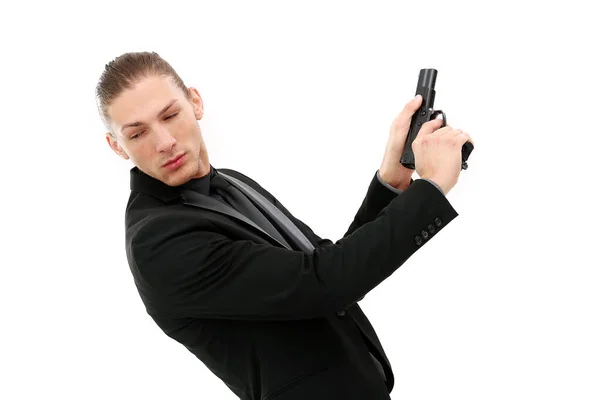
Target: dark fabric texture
x=272, y=322
x=237, y=200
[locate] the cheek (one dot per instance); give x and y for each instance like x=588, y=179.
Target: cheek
x=189, y=127
x=189, y=132
x=142, y=154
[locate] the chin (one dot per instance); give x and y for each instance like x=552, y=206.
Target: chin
x=179, y=176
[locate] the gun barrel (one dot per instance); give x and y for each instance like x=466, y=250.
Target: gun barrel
x=427, y=77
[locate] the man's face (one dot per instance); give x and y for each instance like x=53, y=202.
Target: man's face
x=155, y=123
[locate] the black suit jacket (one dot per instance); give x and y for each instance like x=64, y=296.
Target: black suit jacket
x=274, y=323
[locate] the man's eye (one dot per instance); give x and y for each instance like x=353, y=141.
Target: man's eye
x=136, y=135
x=139, y=133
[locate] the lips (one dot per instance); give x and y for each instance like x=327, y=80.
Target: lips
x=172, y=160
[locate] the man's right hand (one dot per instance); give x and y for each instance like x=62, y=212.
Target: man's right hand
x=438, y=153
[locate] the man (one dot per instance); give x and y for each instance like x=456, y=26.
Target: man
x=223, y=268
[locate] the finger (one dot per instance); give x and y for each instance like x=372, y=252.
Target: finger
x=455, y=132
x=414, y=104
x=409, y=109
x=442, y=131
x=430, y=126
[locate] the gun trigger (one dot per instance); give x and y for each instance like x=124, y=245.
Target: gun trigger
x=438, y=112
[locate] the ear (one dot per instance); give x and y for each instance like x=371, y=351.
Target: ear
x=197, y=104
x=114, y=145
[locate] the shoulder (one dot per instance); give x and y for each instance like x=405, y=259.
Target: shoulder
x=167, y=223
x=165, y=237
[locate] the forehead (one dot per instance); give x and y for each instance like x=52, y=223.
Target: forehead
x=144, y=100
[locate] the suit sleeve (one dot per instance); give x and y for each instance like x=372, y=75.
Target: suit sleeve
x=377, y=198
x=201, y=273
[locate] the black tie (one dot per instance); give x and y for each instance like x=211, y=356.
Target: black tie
x=240, y=202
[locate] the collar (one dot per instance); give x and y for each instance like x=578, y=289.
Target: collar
x=144, y=183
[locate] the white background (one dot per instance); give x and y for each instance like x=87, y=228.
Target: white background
x=503, y=303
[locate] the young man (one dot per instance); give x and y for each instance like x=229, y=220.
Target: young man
x=224, y=269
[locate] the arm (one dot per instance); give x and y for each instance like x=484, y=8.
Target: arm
x=195, y=273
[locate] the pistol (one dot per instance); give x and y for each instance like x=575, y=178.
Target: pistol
x=426, y=88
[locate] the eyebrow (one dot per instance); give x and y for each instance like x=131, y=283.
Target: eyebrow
x=138, y=123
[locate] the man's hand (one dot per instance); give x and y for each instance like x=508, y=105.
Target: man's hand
x=391, y=171
x=438, y=154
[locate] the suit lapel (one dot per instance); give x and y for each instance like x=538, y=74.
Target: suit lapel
x=281, y=221
x=195, y=199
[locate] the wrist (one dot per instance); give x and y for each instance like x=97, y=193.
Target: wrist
x=437, y=183
x=398, y=177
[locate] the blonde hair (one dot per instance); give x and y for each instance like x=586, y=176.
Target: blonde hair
x=124, y=72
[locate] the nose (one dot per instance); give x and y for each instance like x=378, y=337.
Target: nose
x=164, y=140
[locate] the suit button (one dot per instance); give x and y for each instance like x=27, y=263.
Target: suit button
x=341, y=313
x=438, y=222
x=418, y=240
x=424, y=234
x=431, y=228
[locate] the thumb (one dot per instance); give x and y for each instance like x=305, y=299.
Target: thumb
x=415, y=103
x=403, y=119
